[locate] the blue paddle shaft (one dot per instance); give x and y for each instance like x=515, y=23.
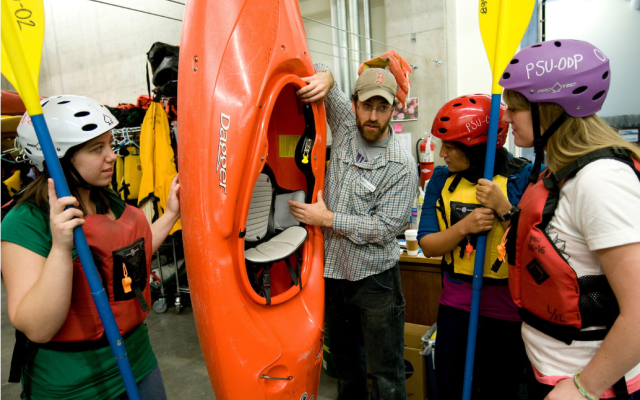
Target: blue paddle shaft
x=97, y=291
x=481, y=247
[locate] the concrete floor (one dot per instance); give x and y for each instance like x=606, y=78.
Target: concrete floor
x=175, y=342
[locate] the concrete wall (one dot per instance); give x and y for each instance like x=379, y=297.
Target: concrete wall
x=319, y=10
x=429, y=21
x=613, y=27
x=99, y=51
x=317, y=15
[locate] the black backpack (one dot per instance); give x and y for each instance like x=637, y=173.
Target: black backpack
x=164, y=59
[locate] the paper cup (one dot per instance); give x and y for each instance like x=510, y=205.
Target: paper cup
x=411, y=236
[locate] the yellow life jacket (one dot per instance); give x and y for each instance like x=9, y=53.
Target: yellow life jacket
x=458, y=199
x=133, y=172
x=129, y=174
x=13, y=183
x=117, y=183
x=10, y=123
x=157, y=162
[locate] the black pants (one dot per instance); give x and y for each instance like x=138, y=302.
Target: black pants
x=365, y=320
x=500, y=359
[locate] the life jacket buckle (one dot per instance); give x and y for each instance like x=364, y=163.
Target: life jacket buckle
x=550, y=181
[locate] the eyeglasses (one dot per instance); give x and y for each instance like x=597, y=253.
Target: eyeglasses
x=382, y=110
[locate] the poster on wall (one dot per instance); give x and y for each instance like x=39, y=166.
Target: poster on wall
x=407, y=113
x=405, y=142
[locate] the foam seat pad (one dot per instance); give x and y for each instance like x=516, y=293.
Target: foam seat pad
x=279, y=247
x=282, y=217
x=259, y=209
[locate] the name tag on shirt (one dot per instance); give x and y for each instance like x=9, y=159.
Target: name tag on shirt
x=370, y=186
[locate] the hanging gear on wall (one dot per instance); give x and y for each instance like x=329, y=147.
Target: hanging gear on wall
x=164, y=69
x=158, y=164
x=397, y=66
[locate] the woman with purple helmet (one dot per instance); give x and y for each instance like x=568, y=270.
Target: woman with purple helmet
x=574, y=249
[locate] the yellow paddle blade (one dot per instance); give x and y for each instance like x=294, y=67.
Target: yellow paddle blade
x=22, y=37
x=502, y=26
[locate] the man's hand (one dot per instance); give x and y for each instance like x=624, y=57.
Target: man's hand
x=315, y=214
x=317, y=89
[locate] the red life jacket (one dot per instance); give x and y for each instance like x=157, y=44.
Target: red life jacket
x=121, y=249
x=549, y=295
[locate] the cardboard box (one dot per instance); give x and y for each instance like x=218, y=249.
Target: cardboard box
x=414, y=362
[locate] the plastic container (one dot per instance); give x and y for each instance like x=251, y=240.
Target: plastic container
x=429, y=341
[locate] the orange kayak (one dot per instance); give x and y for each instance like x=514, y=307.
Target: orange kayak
x=245, y=146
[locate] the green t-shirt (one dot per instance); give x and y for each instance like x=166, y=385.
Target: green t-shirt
x=91, y=374
x=87, y=375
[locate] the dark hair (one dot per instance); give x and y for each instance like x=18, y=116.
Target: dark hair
x=38, y=191
x=476, y=156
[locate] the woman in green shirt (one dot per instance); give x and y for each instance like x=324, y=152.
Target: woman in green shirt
x=66, y=354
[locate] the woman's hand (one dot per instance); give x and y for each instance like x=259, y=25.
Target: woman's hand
x=565, y=390
x=480, y=220
x=317, y=89
x=490, y=196
x=173, y=202
x=63, y=221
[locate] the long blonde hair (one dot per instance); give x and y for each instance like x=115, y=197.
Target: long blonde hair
x=574, y=138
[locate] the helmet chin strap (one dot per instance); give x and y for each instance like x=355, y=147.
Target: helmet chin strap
x=93, y=194
x=72, y=169
x=539, y=141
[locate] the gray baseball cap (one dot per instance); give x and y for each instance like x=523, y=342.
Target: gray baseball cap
x=376, y=82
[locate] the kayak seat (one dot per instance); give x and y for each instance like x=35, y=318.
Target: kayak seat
x=272, y=233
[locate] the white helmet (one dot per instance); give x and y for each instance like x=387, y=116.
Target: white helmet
x=71, y=120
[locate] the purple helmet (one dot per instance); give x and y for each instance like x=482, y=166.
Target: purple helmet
x=571, y=73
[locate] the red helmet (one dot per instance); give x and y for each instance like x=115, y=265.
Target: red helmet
x=465, y=119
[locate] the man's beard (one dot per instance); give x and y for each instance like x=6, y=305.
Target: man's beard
x=368, y=135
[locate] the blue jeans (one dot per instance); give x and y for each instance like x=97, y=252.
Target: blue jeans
x=151, y=387
x=365, y=320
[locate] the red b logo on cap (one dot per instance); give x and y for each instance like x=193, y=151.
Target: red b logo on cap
x=379, y=77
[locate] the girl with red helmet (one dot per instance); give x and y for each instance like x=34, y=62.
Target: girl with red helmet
x=61, y=349
x=574, y=250
x=458, y=207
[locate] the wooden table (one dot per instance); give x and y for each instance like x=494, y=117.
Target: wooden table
x=421, y=285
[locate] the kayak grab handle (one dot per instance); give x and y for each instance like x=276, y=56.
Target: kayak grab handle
x=288, y=378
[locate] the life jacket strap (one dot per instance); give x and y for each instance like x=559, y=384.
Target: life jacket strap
x=295, y=272
x=137, y=285
x=563, y=333
x=496, y=265
x=266, y=283
x=570, y=170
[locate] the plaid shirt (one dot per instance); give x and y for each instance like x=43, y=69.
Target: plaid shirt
x=371, y=201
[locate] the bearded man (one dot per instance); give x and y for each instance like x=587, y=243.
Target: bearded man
x=370, y=185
